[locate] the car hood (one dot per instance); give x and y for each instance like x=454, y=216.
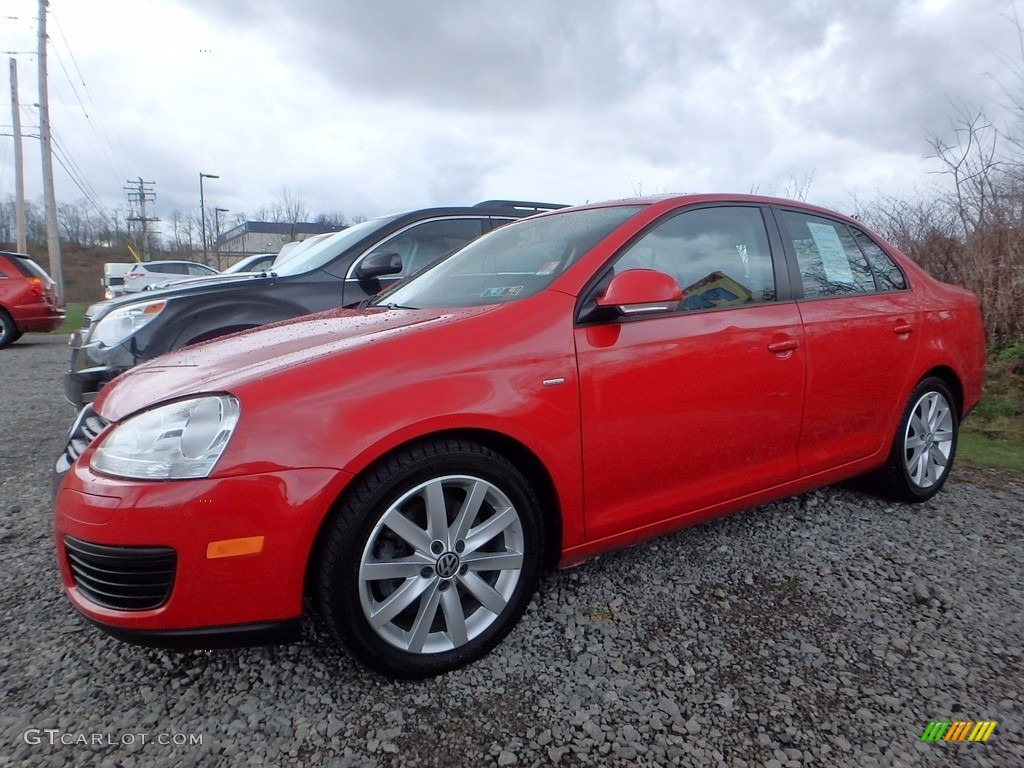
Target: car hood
x=233, y=361
x=186, y=286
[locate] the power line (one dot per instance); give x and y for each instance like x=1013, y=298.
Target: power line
x=99, y=120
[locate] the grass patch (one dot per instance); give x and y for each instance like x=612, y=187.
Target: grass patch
x=993, y=435
x=989, y=452
x=73, y=318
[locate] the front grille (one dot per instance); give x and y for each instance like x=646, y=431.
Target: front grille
x=123, y=578
x=86, y=427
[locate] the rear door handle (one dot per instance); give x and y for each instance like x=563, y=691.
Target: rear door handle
x=787, y=345
x=903, y=329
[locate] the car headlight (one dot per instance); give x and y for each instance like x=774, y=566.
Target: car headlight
x=122, y=323
x=170, y=442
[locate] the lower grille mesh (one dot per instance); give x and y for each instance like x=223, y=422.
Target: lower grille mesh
x=123, y=578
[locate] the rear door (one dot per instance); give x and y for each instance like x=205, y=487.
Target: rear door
x=687, y=409
x=859, y=328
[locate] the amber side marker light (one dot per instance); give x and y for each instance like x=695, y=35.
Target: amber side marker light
x=250, y=545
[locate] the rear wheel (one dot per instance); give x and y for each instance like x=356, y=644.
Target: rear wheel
x=9, y=332
x=924, y=445
x=431, y=560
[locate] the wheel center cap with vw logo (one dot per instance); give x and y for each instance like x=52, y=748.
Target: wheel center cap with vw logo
x=447, y=565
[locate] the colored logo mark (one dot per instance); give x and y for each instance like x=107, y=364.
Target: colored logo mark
x=958, y=730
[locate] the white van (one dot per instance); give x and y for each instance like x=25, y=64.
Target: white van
x=113, y=278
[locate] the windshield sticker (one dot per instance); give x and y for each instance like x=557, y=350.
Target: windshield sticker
x=505, y=290
x=548, y=267
x=833, y=257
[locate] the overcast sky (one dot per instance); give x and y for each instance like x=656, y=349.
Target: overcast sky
x=370, y=107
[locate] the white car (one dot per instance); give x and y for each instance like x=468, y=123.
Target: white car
x=250, y=265
x=149, y=273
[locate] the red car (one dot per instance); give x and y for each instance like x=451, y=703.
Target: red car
x=568, y=384
x=27, y=298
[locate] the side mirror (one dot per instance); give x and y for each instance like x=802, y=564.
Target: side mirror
x=641, y=292
x=379, y=264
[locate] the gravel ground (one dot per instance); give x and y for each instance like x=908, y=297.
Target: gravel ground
x=824, y=630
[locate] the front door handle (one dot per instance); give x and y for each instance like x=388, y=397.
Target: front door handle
x=903, y=329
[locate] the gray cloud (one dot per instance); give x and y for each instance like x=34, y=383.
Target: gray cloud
x=374, y=106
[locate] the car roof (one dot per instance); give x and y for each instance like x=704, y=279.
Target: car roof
x=674, y=200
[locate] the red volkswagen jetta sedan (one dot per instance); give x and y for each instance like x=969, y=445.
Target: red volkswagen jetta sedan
x=567, y=384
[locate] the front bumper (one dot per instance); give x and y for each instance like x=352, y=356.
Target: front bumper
x=92, y=368
x=153, y=562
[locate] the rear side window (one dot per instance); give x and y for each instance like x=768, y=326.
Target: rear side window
x=830, y=261
x=888, y=275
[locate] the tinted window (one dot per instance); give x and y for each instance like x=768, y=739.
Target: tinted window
x=888, y=276
x=200, y=270
x=719, y=256
x=421, y=244
x=509, y=263
x=831, y=263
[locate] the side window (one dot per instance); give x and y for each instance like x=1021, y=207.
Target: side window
x=199, y=270
x=423, y=243
x=830, y=262
x=888, y=275
x=719, y=256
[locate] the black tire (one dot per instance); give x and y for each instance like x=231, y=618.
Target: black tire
x=9, y=332
x=924, y=445
x=444, y=572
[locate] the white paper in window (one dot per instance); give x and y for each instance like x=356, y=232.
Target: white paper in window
x=833, y=256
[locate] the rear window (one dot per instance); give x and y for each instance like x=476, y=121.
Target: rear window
x=29, y=268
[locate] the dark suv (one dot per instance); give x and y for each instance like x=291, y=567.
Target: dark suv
x=27, y=298
x=343, y=268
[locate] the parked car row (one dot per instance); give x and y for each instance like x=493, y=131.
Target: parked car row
x=567, y=383
x=328, y=271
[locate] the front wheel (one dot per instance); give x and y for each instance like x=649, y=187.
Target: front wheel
x=924, y=445
x=431, y=559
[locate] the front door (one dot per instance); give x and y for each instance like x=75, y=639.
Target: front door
x=703, y=405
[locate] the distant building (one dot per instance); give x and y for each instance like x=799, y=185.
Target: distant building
x=268, y=236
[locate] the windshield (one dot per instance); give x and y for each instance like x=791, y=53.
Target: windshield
x=513, y=262
x=306, y=258
x=242, y=266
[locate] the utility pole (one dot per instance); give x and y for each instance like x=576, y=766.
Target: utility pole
x=49, y=198
x=19, y=169
x=216, y=238
x=141, y=192
x=202, y=210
